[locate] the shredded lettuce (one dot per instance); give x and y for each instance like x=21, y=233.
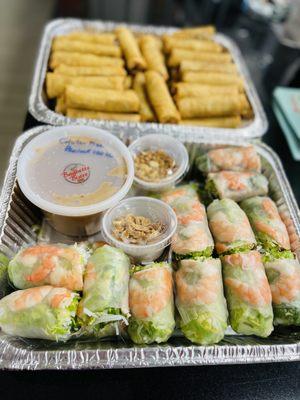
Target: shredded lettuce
x=238, y=247
x=275, y=253
x=210, y=187
x=206, y=253
x=285, y=314
x=247, y=320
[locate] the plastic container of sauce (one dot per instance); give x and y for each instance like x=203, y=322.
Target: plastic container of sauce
x=73, y=174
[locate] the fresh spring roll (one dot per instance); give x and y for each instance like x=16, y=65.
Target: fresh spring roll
x=266, y=223
x=236, y=158
x=43, y=312
x=88, y=114
x=284, y=279
x=178, y=55
x=236, y=185
x=56, y=84
x=248, y=294
x=198, y=66
x=193, y=237
x=151, y=304
x=198, y=31
x=115, y=101
x=230, y=227
x=79, y=46
x=153, y=55
x=213, y=78
x=93, y=37
x=187, y=89
x=82, y=60
x=191, y=44
x=160, y=98
x=48, y=264
x=105, y=70
x=139, y=86
x=104, y=301
x=200, y=300
x=220, y=122
x=208, y=106
x=130, y=48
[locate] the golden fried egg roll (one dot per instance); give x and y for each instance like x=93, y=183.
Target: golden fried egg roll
x=157, y=39
x=146, y=112
x=160, y=98
x=222, y=122
x=60, y=106
x=104, y=70
x=82, y=60
x=154, y=57
x=206, y=30
x=93, y=37
x=110, y=50
x=74, y=113
x=198, y=66
x=55, y=83
x=213, y=78
x=246, y=109
x=187, y=89
x=102, y=99
x=209, y=106
x=130, y=48
x=128, y=82
x=178, y=55
x=191, y=44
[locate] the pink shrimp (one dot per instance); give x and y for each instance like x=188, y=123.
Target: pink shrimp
x=29, y=297
x=258, y=295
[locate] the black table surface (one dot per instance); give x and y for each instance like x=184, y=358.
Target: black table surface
x=278, y=381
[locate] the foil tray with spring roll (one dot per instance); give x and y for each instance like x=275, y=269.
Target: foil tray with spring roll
x=39, y=107
x=18, y=218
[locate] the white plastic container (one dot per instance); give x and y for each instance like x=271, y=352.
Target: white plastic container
x=155, y=210
x=74, y=173
x=173, y=148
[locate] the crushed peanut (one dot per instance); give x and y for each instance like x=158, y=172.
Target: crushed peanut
x=136, y=229
x=154, y=165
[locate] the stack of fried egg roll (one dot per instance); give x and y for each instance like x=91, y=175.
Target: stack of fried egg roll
x=125, y=65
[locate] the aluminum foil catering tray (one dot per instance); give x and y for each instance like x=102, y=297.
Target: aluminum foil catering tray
x=39, y=107
x=17, y=218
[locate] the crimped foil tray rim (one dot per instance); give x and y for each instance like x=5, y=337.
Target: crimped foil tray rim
x=141, y=357
x=42, y=113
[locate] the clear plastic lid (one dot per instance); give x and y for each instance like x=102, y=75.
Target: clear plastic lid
x=75, y=170
x=153, y=209
x=172, y=147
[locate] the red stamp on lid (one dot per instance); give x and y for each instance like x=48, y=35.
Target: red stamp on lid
x=76, y=173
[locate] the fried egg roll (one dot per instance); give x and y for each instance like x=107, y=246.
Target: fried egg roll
x=55, y=83
x=130, y=48
x=198, y=66
x=153, y=56
x=93, y=37
x=222, y=122
x=160, y=98
x=178, y=55
x=157, y=39
x=102, y=100
x=82, y=60
x=213, y=78
x=206, y=30
x=139, y=87
x=74, y=113
x=188, y=89
x=110, y=50
x=105, y=70
x=246, y=109
x=191, y=44
x=210, y=106
x=60, y=106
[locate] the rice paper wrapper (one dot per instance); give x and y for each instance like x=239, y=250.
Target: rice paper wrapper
x=248, y=294
x=200, y=300
x=151, y=304
x=284, y=279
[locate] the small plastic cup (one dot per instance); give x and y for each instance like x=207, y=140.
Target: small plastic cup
x=155, y=210
x=173, y=148
x=74, y=173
